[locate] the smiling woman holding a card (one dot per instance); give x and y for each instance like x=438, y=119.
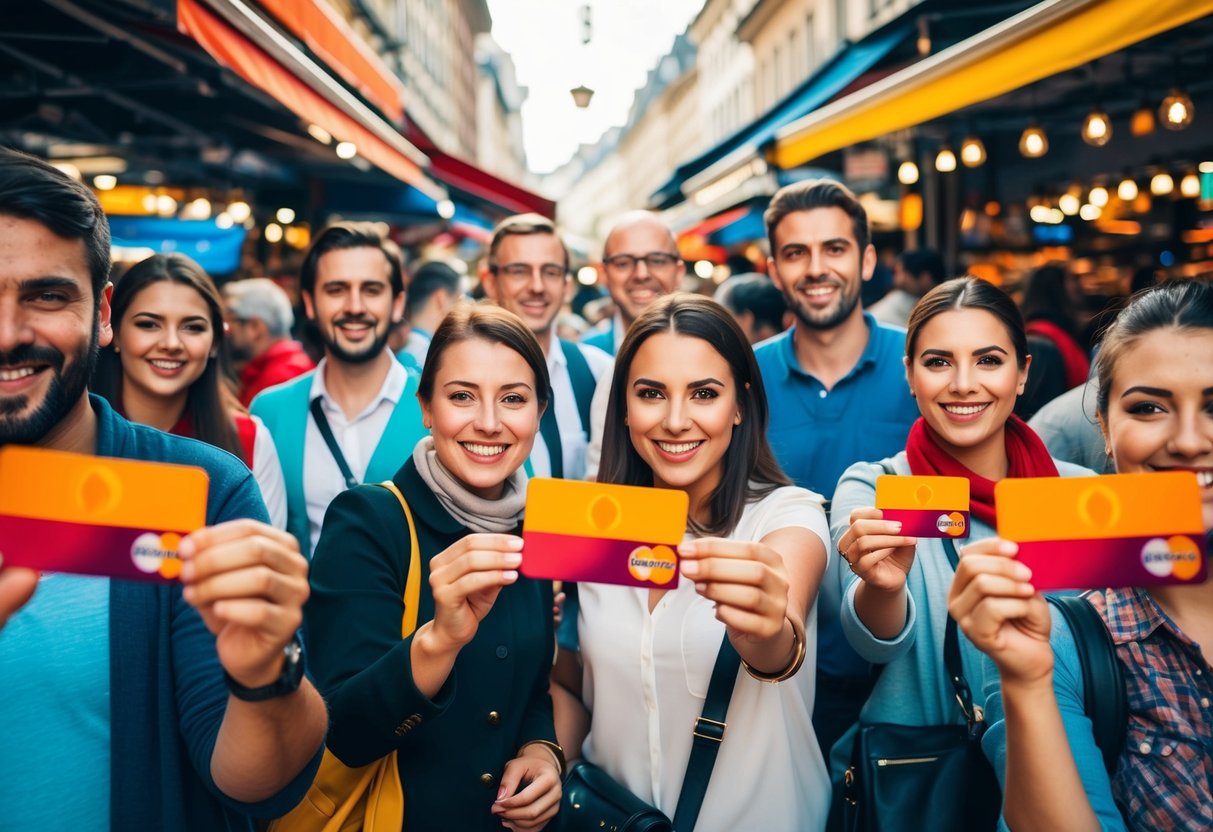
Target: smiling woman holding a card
x=687, y=411
x=966, y=364
x=1155, y=409
x=462, y=701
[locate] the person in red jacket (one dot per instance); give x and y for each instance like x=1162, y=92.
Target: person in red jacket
x=1049, y=305
x=260, y=319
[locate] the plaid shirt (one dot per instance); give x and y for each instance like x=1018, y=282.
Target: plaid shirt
x=1165, y=776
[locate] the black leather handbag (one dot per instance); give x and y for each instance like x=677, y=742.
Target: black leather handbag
x=915, y=777
x=594, y=802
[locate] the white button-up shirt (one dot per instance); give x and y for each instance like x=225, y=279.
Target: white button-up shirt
x=646, y=677
x=573, y=441
x=357, y=438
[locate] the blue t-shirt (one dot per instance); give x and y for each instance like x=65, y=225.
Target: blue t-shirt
x=817, y=433
x=54, y=660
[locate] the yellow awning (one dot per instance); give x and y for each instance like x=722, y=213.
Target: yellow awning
x=1049, y=38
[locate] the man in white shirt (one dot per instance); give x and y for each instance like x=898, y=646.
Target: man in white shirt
x=355, y=418
x=527, y=273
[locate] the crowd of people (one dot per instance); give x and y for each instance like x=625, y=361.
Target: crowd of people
x=207, y=704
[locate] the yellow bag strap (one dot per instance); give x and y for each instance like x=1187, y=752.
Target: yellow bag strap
x=412, y=584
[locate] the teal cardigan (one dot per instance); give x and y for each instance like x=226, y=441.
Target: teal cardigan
x=284, y=410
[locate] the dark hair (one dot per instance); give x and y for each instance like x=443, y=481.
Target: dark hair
x=924, y=260
x=210, y=403
x=758, y=295
x=1045, y=297
x=1183, y=304
x=32, y=189
x=428, y=279
x=817, y=193
x=487, y=322
x=346, y=235
x=969, y=292
x=749, y=467
x=522, y=225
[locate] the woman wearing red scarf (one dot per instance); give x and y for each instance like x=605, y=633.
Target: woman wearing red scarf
x=966, y=363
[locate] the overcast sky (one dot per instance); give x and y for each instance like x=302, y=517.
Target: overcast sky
x=544, y=39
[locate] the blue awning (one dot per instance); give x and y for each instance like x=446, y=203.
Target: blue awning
x=830, y=79
x=215, y=249
x=404, y=203
x=749, y=226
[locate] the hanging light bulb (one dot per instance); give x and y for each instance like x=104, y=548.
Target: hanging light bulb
x=945, y=160
x=1033, y=143
x=1040, y=213
x=1161, y=184
x=1090, y=212
x=1176, y=110
x=1098, y=196
x=1142, y=122
x=1127, y=189
x=1189, y=186
x=907, y=173
x=1068, y=203
x=972, y=152
x=1097, y=128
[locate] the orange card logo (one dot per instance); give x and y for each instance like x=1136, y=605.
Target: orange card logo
x=952, y=524
x=656, y=564
x=1175, y=556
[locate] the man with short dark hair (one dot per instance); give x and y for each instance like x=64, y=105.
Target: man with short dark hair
x=259, y=319
x=837, y=391
x=527, y=273
x=133, y=705
x=915, y=273
x=355, y=418
x=433, y=290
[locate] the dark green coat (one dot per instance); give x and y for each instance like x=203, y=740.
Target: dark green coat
x=452, y=749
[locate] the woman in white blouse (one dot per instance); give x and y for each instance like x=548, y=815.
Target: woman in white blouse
x=687, y=410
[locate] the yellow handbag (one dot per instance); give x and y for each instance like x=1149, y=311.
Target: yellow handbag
x=368, y=798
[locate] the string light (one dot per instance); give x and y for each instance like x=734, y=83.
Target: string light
x=945, y=160
x=1033, y=143
x=1176, y=110
x=1162, y=184
x=972, y=152
x=1097, y=128
x=907, y=173
x=1127, y=189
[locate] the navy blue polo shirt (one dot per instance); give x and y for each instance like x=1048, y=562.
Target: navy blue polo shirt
x=817, y=433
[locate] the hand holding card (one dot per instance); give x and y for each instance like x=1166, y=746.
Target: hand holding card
x=925, y=506
x=1115, y=530
x=615, y=534
x=90, y=515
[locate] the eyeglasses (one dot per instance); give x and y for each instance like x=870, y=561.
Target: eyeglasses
x=520, y=272
x=655, y=261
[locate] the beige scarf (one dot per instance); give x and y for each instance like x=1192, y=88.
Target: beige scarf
x=478, y=514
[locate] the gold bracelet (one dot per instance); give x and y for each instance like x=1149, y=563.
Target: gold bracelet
x=799, y=647
x=555, y=750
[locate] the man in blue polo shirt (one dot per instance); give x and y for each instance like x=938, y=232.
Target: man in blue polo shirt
x=837, y=391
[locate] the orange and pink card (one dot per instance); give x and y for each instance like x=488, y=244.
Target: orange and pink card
x=614, y=534
x=925, y=506
x=92, y=515
x=1115, y=530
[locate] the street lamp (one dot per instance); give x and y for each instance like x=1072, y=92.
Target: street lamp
x=581, y=95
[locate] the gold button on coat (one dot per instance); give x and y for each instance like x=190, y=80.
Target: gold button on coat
x=486, y=779
x=494, y=718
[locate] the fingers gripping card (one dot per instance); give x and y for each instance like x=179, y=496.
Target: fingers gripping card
x=925, y=506
x=91, y=515
x=1111, y=531
x=615, y=534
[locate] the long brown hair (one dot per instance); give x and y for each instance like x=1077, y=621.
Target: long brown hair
x=210, y=403
x=749, y=469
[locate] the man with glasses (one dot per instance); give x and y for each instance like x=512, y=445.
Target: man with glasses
x=641, y=263
x=355, y=418
x=527, y=273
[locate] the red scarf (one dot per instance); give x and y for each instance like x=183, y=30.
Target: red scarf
x=1027, y=456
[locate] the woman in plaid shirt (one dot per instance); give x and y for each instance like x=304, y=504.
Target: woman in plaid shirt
x=1156, y=412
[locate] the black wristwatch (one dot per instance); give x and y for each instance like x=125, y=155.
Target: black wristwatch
x=287, y=682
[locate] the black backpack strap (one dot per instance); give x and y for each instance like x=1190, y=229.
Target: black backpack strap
x=583, y=382
x=1103, y=684
x=709, y=731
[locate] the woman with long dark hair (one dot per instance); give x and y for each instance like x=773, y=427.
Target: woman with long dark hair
x=687, y=411
x=167, y=367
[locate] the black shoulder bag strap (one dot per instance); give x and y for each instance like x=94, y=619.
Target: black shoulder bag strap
x=322, y=423
x=1103, y=685
x=951, y=658
x=709, y=733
